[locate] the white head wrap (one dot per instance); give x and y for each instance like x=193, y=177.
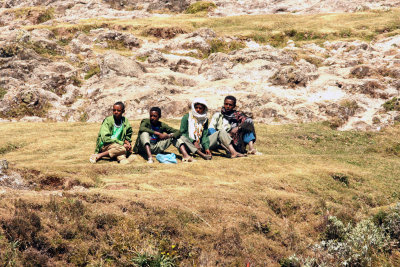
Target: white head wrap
x=196, y=121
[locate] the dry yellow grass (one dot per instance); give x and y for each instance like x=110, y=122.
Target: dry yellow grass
x=269, y=206
x=275, y=29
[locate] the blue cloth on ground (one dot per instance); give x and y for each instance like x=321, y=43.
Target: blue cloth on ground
x=248, y=137
x=166, y=158
x=211, y=131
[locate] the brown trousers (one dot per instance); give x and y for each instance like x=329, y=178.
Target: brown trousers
x=115, y=150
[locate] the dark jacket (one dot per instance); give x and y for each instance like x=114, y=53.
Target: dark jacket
x=145, y=126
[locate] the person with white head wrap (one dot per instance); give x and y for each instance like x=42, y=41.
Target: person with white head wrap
x=194, y=130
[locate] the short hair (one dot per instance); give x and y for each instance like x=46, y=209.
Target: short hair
x=119, y=103
x=231, y=97
x=156, y=109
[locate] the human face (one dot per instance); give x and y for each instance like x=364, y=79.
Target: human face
x=200, y=108
x=117, y=112
x=229, y=105
x=154, y=117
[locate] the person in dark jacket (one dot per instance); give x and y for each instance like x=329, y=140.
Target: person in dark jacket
x=155, y=136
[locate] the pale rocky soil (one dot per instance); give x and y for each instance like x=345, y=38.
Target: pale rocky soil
x=346, y=82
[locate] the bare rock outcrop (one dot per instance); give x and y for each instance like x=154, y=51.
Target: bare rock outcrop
x=299, y=75
x=75, y=72
x=114, y=63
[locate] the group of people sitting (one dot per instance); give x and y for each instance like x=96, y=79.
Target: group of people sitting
x=228, y=129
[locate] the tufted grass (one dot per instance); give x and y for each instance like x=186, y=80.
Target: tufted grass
x=258, y=209
x=274, y=29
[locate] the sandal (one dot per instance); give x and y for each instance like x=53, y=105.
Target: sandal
x=208, y=157
x=93, y=158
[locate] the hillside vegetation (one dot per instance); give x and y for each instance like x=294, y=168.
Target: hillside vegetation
x=273, y=29
x=259, y=210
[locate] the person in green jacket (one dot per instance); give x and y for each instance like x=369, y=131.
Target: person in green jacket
x=114, y=138
x=194, y=130
x=155, y=136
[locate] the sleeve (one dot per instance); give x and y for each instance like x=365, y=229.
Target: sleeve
x=226, y=126
x=168, y=129
x=106, y=133
x=205, y=141
x=184, y=129
x=128, y=136
x=145, y=127
x=214, y=122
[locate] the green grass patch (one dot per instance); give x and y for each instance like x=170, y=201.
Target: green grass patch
x=93, y=70
x=23, y=109
x=46, y=15
x=201, y=6
x=392, y=104
x=219, y=45
x=8, y=147
x=142, y=58
x=3, y=92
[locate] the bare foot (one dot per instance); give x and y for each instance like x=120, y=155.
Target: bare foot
x=189, y=159
x=237, y=155
x=94, y=158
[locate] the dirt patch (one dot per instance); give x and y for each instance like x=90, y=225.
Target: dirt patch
x=39, y=181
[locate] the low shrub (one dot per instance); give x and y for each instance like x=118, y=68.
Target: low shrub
x=391, y=222
x=292, y=261
x=340, y=177
x=9, y=50
x=335, y=229
x=364, y=244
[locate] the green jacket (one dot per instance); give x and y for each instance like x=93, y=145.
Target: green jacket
x=205, y=142
x=106, y=129
x=145, y=126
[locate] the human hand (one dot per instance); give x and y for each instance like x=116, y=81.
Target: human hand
x=234, y=130
x=127, y=146
x=208, y=152
x=163, y=136
x=197, y=144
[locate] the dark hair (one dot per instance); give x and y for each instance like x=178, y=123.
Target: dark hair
x=156, y=109
x=231, y=97
x=119, y=103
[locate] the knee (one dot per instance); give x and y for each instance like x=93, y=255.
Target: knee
x=145, y=135
x=117, y=150
x=121, y=149
x=144, y=138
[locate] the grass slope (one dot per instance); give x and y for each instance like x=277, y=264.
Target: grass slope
x=258, y=209
x=274, y=29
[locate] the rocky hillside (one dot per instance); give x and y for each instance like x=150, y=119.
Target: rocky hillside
x=54, y=66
